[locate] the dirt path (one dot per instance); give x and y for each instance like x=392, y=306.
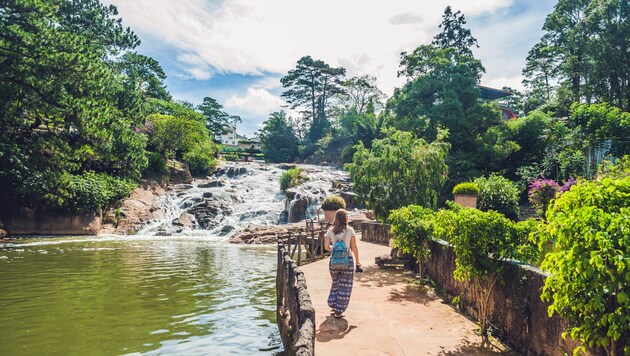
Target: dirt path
x=389, y=315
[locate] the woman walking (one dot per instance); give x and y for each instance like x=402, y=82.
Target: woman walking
x=342, y=278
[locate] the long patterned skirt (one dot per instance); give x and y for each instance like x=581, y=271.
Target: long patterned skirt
x=341, y=288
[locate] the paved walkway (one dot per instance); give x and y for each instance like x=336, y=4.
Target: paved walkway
x=388, y=315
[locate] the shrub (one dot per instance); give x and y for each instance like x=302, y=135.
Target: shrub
x=411, y=230
x=290, y=178
x=499, y=194
x=200, y=159
x=333, y=202
x=541, y=191
x=157, y=164
x=466, y=188
x=94, y=191
x=589, y=267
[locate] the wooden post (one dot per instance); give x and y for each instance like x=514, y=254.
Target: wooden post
x=299, y=258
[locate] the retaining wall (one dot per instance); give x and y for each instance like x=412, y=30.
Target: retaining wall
x=516, y=311
x=295, y=311
x=375, y=232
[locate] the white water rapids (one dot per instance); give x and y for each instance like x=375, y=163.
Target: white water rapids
x=249, y=199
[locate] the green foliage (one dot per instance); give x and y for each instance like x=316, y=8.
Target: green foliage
x=397, y=171
x=499, y=194
x=72, y=94
x=466, y=188
x=591, y=70
x=412, y=228
x=173, y=136
x=482, y=241
x=619, y=169
x=200, y=159
x=278, y=139
x=92, y=191
x=290, y=178
x=589, y=282
x=157, y=164
x=333, y=202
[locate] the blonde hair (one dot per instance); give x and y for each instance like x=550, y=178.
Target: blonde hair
x=341, y=221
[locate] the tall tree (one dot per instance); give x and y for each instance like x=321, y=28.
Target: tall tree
x=216, y=118
x=310, y=85
x=453, y=34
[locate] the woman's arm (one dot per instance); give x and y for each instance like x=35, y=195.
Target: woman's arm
x=355, y=250
x=327, y=245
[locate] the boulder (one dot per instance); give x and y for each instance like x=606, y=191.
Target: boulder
x=136, y=211
x=287, y=166
x=179, y=174
x=209, y=213
x=212, y=184
x=295, y=204
x=350, y=198
x=185, y=221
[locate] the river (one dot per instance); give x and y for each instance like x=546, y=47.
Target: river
x=188, y=293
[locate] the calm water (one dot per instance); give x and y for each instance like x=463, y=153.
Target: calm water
x=137, y=295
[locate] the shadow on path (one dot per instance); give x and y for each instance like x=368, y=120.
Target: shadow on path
x=379, y=277
x=412, y=294
x=468, y=348
x=333, y=328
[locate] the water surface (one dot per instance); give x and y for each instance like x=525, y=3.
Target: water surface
x=137, y=295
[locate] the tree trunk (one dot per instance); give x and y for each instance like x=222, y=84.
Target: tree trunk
x=484, y=309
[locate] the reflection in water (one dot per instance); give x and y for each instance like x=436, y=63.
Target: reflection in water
x=137, y=295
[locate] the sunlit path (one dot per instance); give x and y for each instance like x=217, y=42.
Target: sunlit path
x=389, y=315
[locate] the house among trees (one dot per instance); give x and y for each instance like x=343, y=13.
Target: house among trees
x=489, y=94
x=229, y=136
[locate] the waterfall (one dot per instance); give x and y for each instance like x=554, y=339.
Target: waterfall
x=240, y=195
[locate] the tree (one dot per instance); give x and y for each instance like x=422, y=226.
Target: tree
x=216, y=119
x=64, y=110
x=362, y=95
x=442, y=92
x=454, y=34
x=311, y=84
x=278, y=139
x=585, y=48
x=589, y=267
x=398, y=171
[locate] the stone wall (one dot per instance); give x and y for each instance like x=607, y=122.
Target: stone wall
x=375, y=232
x=295, y=311
x=515, y=308
x=28, y=221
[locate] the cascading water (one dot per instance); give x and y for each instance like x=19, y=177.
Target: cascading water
x=241, y=195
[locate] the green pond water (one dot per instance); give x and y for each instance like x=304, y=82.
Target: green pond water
x=152, y=295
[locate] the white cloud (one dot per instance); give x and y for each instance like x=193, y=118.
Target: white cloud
x=257, y=101
x=262, y=37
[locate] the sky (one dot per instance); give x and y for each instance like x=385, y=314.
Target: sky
x=236, y=51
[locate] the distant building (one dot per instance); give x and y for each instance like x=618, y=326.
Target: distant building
x=489, y=94
x=229, y=137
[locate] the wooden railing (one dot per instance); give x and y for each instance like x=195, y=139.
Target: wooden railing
x=295, y=311
x=308, y=245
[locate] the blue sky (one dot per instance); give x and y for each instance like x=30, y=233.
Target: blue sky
x=236, y=51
